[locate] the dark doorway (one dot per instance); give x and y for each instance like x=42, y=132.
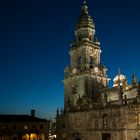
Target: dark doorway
x=105, y=136
x=77, y=139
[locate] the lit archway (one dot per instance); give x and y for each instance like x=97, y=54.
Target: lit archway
x=33, y=136
x=41, y=137
x=25, y=137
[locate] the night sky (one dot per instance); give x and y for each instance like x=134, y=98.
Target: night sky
x=35, y=37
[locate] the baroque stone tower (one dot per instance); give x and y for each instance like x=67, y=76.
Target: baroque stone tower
x=85, y=74
x=92, y=110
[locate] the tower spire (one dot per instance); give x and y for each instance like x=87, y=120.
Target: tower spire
x=120, y=84
x=119, y=80
x=134, y=81
x=85, y=28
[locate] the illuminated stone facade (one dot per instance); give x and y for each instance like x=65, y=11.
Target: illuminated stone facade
x=23, y=127
x=92, y=110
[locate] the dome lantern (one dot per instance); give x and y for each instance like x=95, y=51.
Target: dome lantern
x=85, y=28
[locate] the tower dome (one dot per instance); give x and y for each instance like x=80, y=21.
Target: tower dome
x=119, y=80
x=85, y=20
x=85, y=28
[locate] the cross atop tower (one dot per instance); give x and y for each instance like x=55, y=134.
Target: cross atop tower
x=84, y=2
x=84, y=7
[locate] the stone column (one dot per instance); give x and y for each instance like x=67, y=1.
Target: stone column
x=125, y=134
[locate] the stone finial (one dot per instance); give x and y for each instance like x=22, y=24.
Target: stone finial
x=57, y=112
x=119, y=80
x=134, y=81
x=61, y=111
x=84, y=7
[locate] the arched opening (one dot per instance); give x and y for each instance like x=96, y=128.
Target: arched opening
x=79, y=60
x=96, y=124
x=14, y=137
x=114, y=123
x=33, y=136
x=41, y=137
x=90, y=60
x=79, y=38
x=106, y=136
x=90, y=37
x=105, y=121
x=77, y=139
x=77, y=136
x=25, y=137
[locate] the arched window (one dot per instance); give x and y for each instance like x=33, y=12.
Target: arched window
x=33, y=136
x=25, y=137
x=96, y=124
x=41, y=136
x=90, y=37
x=64, y=126
x=66, y=74
x=114, y=123
x=105, y=121
x=90, y=60
x=79, y=38
x=79, y=60
x=74, y=89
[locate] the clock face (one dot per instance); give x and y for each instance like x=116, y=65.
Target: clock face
x=74, y=70
x=96, y=69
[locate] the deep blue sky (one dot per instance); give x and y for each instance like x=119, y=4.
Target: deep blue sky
x=34, y=45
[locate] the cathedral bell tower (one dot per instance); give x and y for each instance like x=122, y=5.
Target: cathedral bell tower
x=86, y=76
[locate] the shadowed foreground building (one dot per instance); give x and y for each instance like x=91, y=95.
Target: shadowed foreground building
x=23, y=127
x=92, y=110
